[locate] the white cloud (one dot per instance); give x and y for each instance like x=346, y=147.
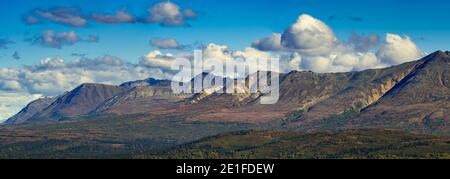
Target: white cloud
x=295, y=62
x=309, y=35
x=313, y=46
x=10, y=85
x=211, y=54
x=369, y=60
x=356, y=61
x=215, y=51
x=251, y=54
x=346, y=60
x=11, y=103
x=271, y=43
x=317, y=64
x=169, y=14
x=398, y=50
x=158, y=60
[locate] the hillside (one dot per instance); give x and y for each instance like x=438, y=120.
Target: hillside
x=80, y=101
x=420, y=101
x=30, y=110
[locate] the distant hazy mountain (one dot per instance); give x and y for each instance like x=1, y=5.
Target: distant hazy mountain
x=411, y=96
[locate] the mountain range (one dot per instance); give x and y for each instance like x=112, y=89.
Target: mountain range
x=395, y=112
x=413, y=96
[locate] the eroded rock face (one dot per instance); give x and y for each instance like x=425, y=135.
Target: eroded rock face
x=141, y=99
x=376, y=93
x=419, y=102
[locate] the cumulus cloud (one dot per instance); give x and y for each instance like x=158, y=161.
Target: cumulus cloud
x=356, y=61
x=157, y=59
x=166, y=43
x=255, y=59
x=52, y=39
x=295, y=62
x=216, y=51
x=70, y=16
x=10, y=85
x=120, y=16
x=252, y=54
x=309, y=35
x=4, y=43
x=313, y=46
x=211, y=54
x=317, y=64
x=169, y=14
x=398, y=50
x=271, y=43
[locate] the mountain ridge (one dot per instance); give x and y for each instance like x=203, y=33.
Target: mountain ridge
x=79, y=101
x=307, y=100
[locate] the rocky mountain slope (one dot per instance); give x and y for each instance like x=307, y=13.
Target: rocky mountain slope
x=30, y=110
x=80, y=101
x=420, y=101
x=411, y=96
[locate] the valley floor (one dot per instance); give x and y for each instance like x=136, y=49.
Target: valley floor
x=146, y=137
x=356, y=144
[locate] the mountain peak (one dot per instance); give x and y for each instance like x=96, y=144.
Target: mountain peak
x=440, y=54
x=80, y=101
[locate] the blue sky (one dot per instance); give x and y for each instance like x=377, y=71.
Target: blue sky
x=231, y=22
